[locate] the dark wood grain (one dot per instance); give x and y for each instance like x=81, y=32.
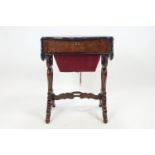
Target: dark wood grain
x=93, y=46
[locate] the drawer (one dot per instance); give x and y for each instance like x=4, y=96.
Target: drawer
x=102, y=45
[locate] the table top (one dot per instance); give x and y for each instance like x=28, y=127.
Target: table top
x=76, y=38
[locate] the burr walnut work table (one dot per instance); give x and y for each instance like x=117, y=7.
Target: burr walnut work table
x=76, y=54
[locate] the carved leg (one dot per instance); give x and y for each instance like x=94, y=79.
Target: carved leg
x=104, y=61
x=49, y=108
x=50, y=102
x=104, y=109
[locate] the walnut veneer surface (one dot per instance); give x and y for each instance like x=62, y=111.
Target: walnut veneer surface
x=87, y=45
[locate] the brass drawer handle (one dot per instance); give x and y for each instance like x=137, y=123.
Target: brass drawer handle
x=76, y=43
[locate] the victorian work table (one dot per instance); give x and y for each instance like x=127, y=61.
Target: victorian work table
x=76, y=54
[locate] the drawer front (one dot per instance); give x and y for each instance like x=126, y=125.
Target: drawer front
x=76, y=46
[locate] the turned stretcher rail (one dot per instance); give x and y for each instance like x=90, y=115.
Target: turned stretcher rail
x=76, y=94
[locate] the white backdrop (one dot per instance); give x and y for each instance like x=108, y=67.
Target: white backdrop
x=130, y=85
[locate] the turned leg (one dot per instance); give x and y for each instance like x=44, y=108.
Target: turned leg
x=48, y=110
x=50, y=101
x=104, y=108
x=104, y=62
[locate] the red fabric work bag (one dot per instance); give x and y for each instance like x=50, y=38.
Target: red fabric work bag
x=77, y=62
